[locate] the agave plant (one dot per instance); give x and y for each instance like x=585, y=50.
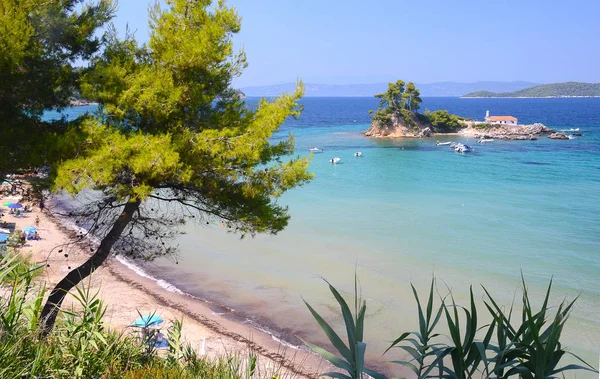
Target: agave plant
x=425, y=355
x=352, y=354
x=533, y=350
x=466, y=353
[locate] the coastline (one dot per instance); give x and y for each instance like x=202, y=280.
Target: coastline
x=125, y=289
x=529, y=97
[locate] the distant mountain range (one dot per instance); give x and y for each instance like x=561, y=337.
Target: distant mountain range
x=567, y=89
x=450, y=89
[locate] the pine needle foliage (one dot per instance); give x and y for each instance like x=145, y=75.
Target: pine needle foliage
x=174, y=142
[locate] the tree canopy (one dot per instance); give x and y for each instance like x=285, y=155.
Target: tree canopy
x=399, y=98
x=173, y=141
x=40, y=41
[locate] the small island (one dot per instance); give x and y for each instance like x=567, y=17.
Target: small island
x=397, y=117
x=568, y=89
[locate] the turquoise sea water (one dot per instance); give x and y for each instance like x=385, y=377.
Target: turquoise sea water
x=408, y=210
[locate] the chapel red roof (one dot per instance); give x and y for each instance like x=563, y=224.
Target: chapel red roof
x=502, y=118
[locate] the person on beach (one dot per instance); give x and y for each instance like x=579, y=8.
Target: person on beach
x=23, y=237
x=37, y=220
x=42, y=205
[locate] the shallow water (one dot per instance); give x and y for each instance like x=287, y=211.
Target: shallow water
x=408, y=210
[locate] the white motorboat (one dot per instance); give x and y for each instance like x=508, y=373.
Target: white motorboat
x=358, y=154
x=570, y=130
x=335, y=160
x=315, y=150
x=462, y=148
x=484, y=140
x=438, y=143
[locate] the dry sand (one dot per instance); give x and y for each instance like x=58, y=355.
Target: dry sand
x=125, y=293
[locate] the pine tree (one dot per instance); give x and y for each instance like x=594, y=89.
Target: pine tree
x=175, y=142
x=40, y=41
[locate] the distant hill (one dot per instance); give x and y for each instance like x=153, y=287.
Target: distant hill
x=567, y=89
x=450, y=89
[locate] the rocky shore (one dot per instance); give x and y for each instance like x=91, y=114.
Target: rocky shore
x=509, y=132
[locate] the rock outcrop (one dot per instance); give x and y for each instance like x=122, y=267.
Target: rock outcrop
x=398, y=127
x=559, y=135
x=510, y=132
x=426, y=133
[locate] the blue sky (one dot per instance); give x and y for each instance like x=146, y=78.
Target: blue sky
x=358, y=41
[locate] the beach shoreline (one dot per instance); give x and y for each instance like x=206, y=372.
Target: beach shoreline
x=210, y=328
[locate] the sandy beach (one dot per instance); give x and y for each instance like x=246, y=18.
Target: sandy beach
x=209, y=329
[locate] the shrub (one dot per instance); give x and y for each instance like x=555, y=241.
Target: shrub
x=80, y=346
x=529, y=349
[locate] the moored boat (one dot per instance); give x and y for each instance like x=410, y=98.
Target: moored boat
x=462, y=148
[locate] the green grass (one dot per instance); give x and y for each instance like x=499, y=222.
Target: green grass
x=80, y=345
x=22, y=266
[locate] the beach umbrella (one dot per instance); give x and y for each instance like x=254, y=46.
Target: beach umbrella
x=8, y=203
x=29, y=229
x=15, y=205
x=148, y=320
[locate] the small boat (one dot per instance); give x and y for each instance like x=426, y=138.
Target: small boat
x=571, y=136
x=483, y=140
x=335, y=160
x=462, y=148
x=315, y=150
x=438, y=143
x=358, y=154
x=452, y=144
x=570, y=130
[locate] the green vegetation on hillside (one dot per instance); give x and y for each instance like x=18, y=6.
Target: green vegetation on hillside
x=568, y=89
x=442, y=121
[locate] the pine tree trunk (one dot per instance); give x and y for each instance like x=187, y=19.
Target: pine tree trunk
x=54, y=302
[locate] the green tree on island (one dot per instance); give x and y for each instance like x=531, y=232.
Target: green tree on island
x=411, y=97
x=399, y=99
x=399, y=105
x=173, y=141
